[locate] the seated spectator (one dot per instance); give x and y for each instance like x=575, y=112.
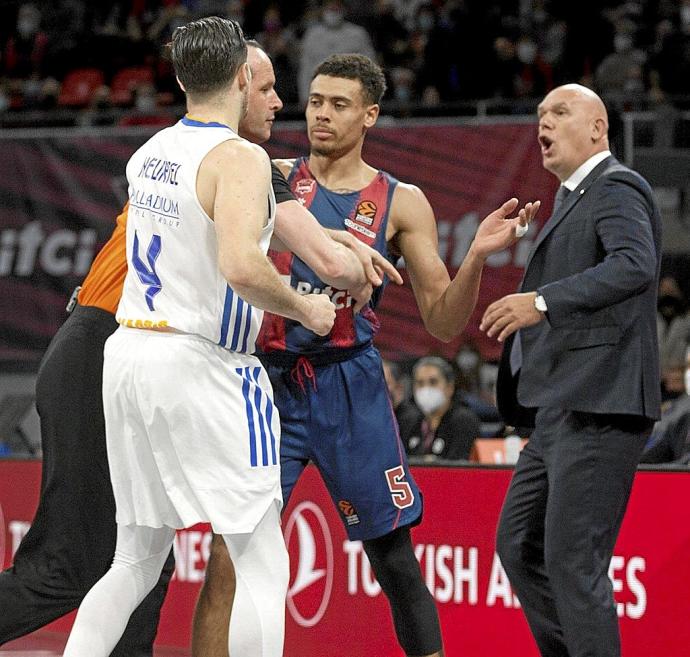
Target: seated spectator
x=442, y=428
x=97, y=111
x=278, y=41
x=673, y=328
x=399, y=389
x=476, y=393
x=617, y=76
x=26, y=47
x=670, y=441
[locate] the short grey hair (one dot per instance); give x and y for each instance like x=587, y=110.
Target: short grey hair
x=441, y=364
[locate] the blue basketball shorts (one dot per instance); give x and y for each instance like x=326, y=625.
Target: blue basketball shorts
x=339, y=416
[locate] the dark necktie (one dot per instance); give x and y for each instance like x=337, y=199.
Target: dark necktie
x=561, y=195
x=516, y=349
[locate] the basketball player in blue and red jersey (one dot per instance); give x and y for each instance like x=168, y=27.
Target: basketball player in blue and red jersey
x=330, y=390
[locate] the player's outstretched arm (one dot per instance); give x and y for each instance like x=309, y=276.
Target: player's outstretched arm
x=301, y=233
x=241, y=172
x=374, y=264
x=445, y=305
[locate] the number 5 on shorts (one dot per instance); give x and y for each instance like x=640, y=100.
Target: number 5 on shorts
x=401, y=493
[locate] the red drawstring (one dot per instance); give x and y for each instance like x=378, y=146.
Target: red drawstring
x=303, y=368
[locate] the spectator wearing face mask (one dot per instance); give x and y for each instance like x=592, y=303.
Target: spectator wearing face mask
x=673, y=329
x=25, y=50
x=619, y=74
x=332, y=35
x=442, y=429
x=534, y=75
x=670, y=439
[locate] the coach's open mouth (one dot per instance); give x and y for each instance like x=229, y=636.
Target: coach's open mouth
x=546, y=144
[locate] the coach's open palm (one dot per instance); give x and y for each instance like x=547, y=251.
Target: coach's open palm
x=498, y=232
x=321, y=315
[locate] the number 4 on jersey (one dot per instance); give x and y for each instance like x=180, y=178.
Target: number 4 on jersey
x=401, y=493
x=148, y=276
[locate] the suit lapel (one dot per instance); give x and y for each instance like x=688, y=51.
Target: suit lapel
x=567, y=205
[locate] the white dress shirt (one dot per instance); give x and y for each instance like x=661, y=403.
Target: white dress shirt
x=585, y=169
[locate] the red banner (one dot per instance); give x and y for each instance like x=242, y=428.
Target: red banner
x=59, y=195
x=334, y=601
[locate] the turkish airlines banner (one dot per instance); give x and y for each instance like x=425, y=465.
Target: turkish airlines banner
x=335, y=606
x=60, y=194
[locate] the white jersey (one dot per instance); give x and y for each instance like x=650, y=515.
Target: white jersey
x=173, y=279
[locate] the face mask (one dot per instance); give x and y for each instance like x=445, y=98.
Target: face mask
x=429, y=399
x=145, y=104
x=670, y=306
x=687, y=381
x=426, y=23
x=526, y=52
x=26, y=27
x=467, y=360
x=332, y=18
x=622, y=43
x=403, y=94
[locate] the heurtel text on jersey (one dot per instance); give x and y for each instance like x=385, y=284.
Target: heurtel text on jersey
x=159, y=170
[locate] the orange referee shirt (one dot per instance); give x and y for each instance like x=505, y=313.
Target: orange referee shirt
x=102, y=286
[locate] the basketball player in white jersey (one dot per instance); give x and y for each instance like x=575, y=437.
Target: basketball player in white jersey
x=191, y=429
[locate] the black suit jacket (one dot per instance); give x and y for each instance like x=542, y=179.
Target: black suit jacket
x=596, y=262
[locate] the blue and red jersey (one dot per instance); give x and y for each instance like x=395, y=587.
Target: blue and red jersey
x=364, y=213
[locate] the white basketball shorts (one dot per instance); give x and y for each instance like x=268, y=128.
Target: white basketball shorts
x=192, y=432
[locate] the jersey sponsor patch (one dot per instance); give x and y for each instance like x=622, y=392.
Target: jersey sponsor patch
x=340, y=298
x=348, y=510
x=366, y=212
x=360, y=229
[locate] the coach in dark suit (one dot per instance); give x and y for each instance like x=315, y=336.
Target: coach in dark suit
x=580, y=364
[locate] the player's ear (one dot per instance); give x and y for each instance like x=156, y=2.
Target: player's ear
x=371, y=115
x=181, y=85
x=244, y=76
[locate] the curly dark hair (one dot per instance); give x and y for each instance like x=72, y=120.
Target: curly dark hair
x=207, y=54
x=356, y=67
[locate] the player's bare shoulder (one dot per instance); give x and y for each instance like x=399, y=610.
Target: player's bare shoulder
x=236, y=155
x=285, y=165
x=409, y=207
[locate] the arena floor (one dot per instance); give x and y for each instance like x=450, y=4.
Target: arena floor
x=51, y=644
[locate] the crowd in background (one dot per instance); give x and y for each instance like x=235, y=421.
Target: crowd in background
x=97, y=57
x=437, y=53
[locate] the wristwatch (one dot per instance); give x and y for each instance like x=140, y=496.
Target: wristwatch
x=540, y=303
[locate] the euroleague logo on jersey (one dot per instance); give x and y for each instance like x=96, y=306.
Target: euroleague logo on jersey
x=366, y=212
x=308, y=540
